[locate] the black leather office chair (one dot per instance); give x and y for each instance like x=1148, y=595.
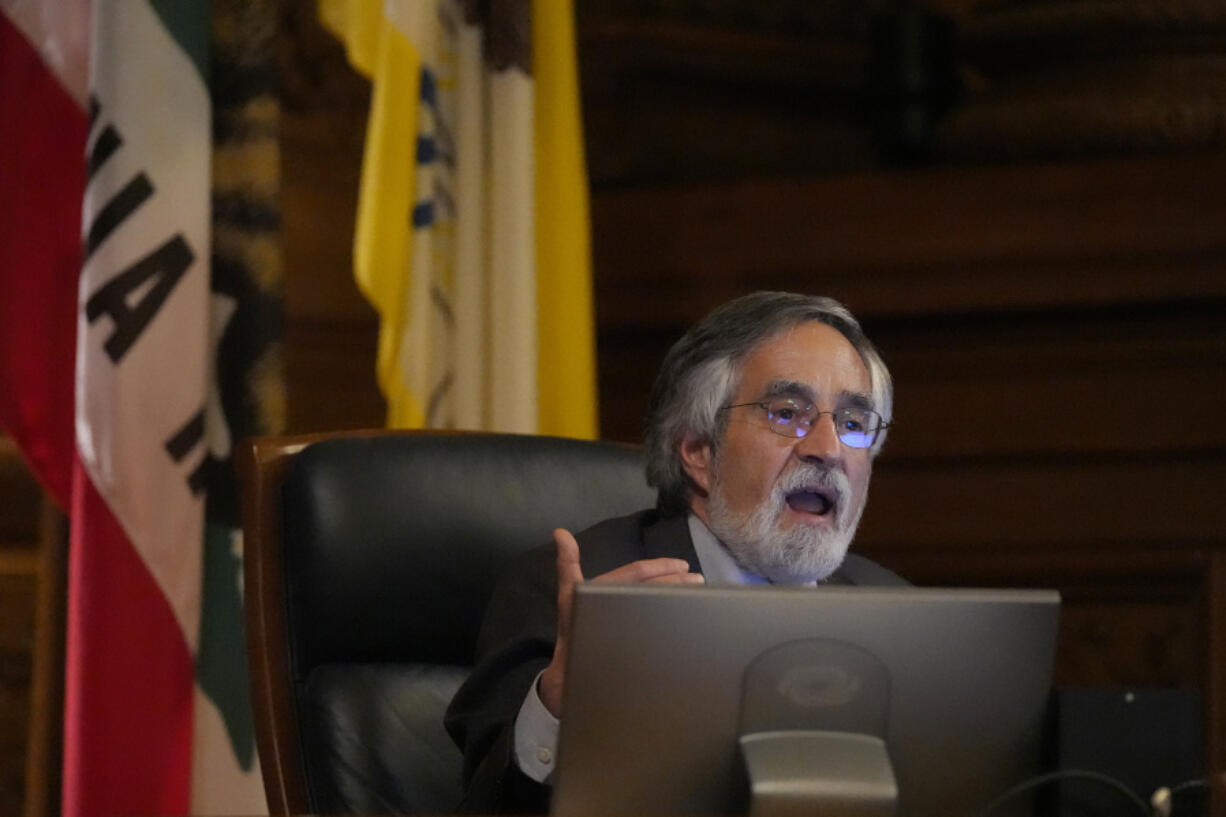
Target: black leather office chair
x=370, y=557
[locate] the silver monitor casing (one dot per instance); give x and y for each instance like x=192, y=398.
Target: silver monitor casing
x=655, y=677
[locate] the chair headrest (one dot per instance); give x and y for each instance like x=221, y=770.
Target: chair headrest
x=393, y=542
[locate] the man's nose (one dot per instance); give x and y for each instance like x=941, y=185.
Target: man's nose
x=822, y=442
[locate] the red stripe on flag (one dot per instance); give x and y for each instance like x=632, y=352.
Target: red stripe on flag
x=42, y=180
x=129, y=676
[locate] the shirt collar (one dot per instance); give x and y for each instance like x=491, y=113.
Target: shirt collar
x=717, y=564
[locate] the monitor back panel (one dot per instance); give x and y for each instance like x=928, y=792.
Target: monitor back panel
x=654, y=678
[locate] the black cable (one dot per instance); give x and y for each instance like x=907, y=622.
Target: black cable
x=1072, y=774
x=1195, y=783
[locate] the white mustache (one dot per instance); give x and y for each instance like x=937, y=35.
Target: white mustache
x=811, y=476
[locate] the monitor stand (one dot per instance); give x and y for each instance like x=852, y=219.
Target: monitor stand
x=801, y=773
x=812, y=732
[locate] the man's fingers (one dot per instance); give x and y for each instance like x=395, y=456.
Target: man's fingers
x=645, y=570
x=568, y=555
x=553, y=679
x=569, y=575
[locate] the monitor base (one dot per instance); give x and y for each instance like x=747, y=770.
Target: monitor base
x=807, y=773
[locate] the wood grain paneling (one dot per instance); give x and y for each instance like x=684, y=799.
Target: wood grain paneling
x=330, y=330
x=919, y=243
x=1124, y=642
x=330, y=369
x=996, y=505
x=17, y=596
x=1071, y=384
x=1215, y=660
x=323, y=127
x=19, y=499
x=711, y=91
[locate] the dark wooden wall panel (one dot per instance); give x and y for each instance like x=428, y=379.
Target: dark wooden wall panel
x=1145, y=386
x=1142, y=623
x=330, y=330
x=922, y=242
x=967, y=505
x=20, y=501
x=330, y=366
x=18, y=586
x=1213, y=602
x=1118, y=641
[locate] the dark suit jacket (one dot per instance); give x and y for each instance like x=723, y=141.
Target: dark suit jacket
x=516, y=643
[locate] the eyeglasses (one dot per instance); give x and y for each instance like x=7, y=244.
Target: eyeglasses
x=787, y=417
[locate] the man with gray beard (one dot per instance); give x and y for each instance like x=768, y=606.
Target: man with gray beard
x=755, y=485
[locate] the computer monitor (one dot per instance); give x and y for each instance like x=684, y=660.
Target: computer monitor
x=843, y=700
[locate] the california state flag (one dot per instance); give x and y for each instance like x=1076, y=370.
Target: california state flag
x=140, y=736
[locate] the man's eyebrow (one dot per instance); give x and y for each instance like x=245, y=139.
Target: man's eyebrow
x=788, y=388
x=855, y=399
x=803, y=391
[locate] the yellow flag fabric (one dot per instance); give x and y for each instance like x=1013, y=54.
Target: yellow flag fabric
x=472, y=240
x=566, y=359
x=382, y=235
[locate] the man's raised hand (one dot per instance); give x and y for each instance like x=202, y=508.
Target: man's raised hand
x=644, y=571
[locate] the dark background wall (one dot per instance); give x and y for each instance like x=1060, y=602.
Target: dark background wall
x=1023, y=200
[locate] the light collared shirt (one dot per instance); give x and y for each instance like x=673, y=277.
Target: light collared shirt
x=536, y=730
x=718, y=567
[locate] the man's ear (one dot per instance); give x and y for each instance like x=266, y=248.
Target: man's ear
x=696, y=459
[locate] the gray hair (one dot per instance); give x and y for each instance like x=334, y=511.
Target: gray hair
x=700, y=374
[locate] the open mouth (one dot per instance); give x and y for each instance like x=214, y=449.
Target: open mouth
x=818, y=503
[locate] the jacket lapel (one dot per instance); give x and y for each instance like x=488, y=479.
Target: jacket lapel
x=669, y=537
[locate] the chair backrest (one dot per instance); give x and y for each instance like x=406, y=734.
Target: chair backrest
x=369, y=560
